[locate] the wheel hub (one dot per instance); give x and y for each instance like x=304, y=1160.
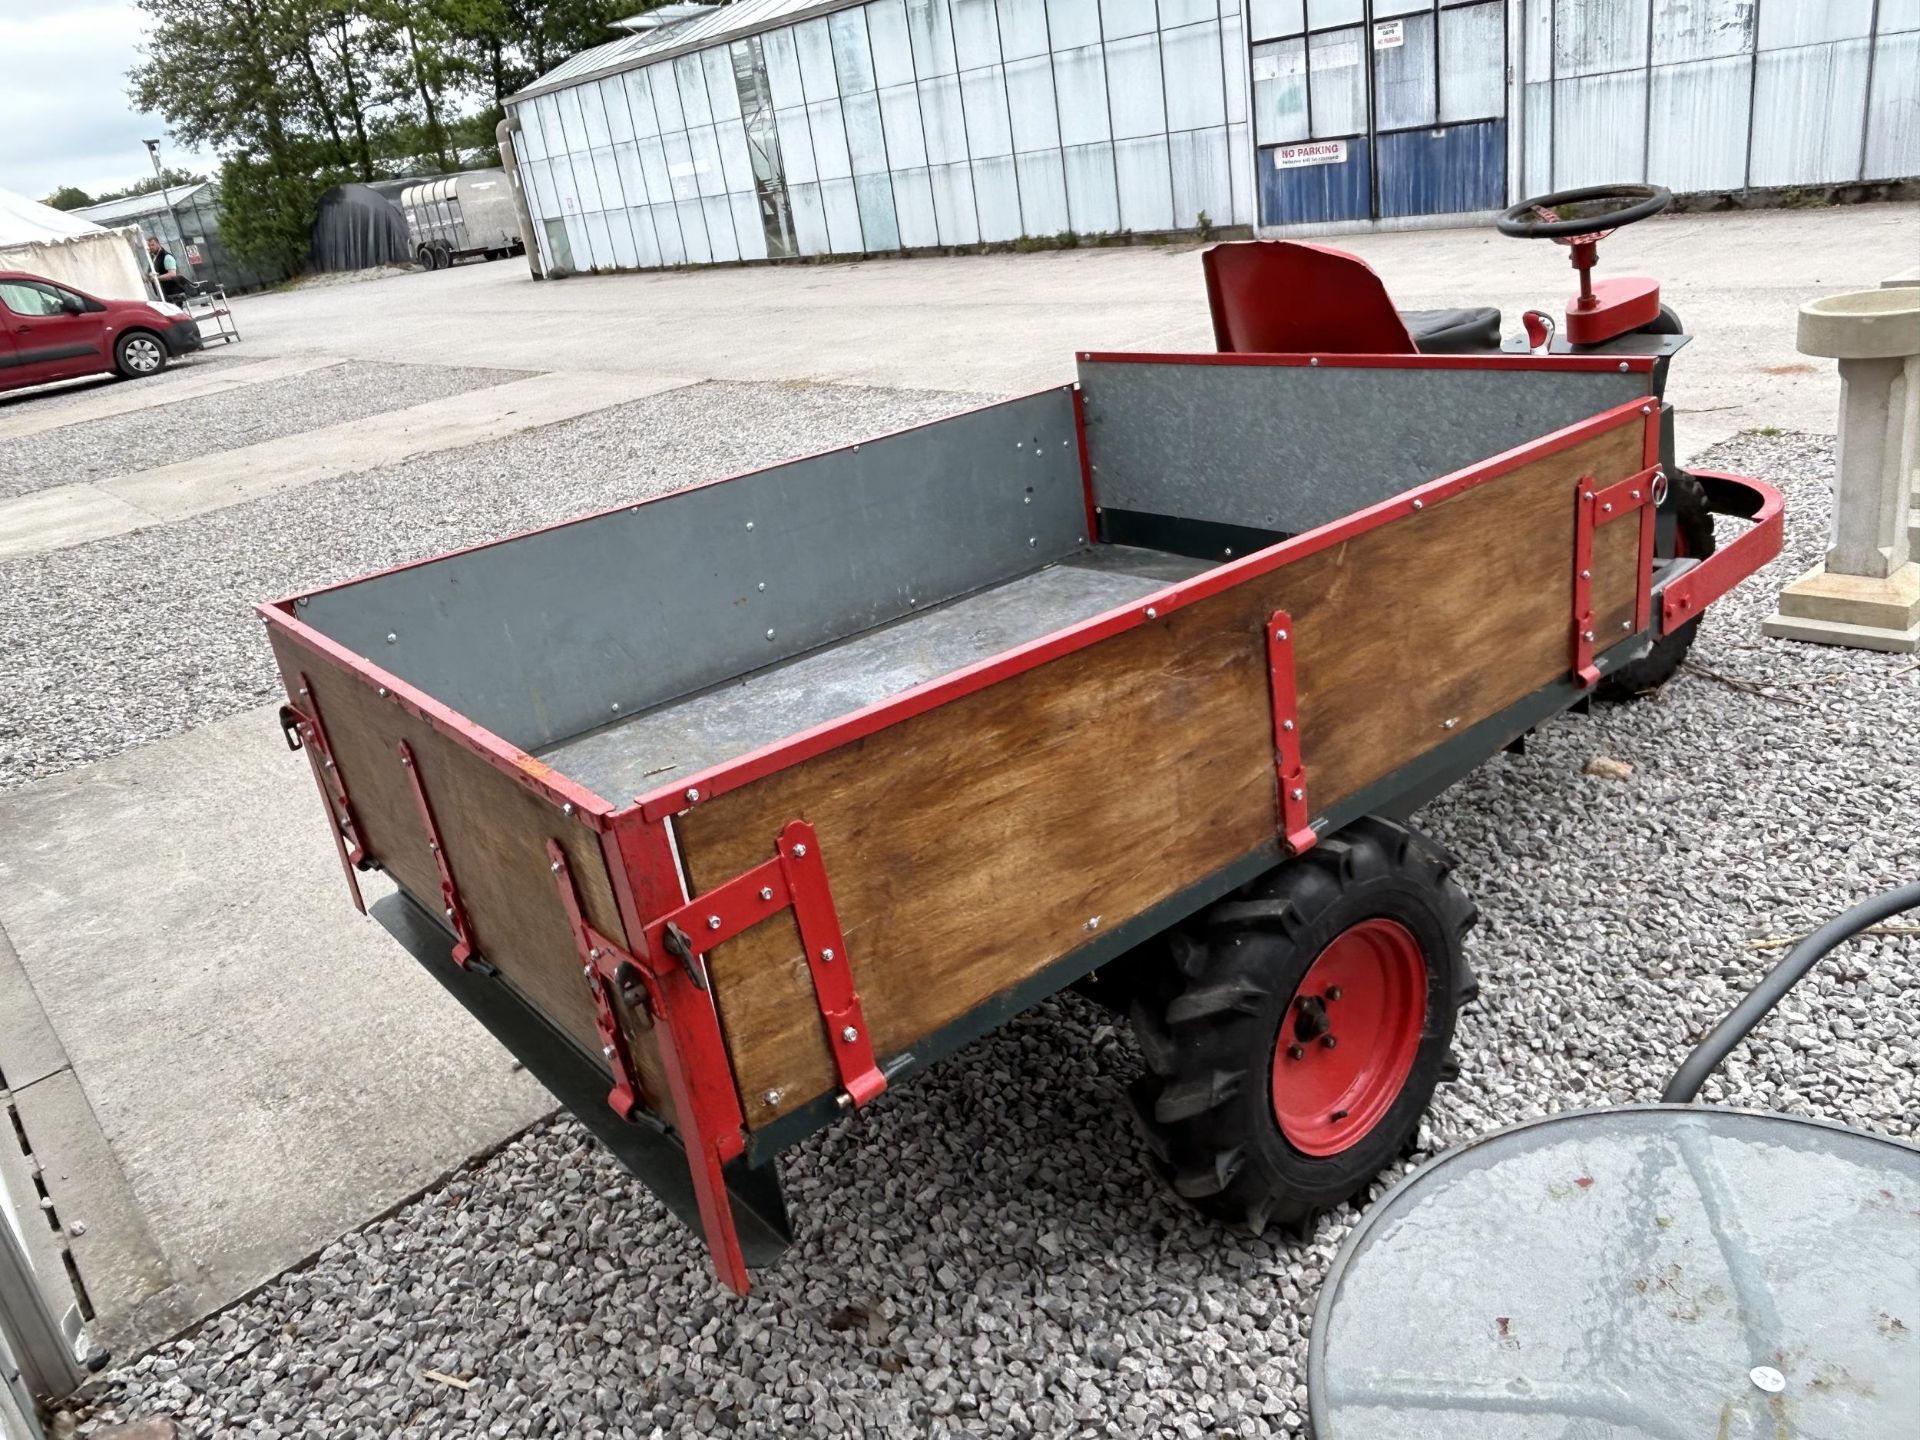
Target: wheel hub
x=1350, y=1037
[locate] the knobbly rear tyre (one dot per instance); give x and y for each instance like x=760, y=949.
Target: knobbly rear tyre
x=1232, y=1032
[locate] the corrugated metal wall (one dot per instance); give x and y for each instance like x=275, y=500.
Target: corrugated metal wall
x=900, y=123
x=1720, y=94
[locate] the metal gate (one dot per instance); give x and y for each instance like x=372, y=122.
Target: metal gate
x=1378, y=109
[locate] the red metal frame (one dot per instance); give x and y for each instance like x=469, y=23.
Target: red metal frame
x=1628, y=364
x=1594, y=507
x=304, y=731
x=795, y=878
x=449, y=893
x=1289, y=770
x=1687, y=595
x=674, y=799
x=1086, y=462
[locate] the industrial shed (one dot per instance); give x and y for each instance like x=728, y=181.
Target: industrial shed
x=781, y=128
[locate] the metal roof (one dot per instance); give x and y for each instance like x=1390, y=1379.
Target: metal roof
x=134, y=207
x=722, y=23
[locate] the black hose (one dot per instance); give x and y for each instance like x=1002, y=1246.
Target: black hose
x=1708, y=1054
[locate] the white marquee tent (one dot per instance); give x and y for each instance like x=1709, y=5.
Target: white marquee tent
x=44, y=241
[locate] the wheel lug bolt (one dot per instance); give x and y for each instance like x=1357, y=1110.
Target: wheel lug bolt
x=1333, y=992
x=1297, y=1052
x=1328, y=1042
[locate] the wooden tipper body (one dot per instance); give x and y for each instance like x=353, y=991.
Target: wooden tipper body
x=734, y=806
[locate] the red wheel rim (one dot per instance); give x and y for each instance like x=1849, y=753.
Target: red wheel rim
x=1349, y=1038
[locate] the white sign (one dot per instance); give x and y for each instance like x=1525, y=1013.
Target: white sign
x=1266, y=67
x=1315, y=152
x=1389, y=33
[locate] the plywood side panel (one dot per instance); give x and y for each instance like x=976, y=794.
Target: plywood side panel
x=974, y=844
x=495, y=833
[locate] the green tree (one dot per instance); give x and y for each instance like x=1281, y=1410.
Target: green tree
x=68, y=197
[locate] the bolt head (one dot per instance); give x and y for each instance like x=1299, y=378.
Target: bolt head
x=692, y=795
x=713, y=922
x=769, y=634
x=567, y=808
x=1296, y=1052
x=749, y=524
x=1315, y=360
x=392, y=639
x=607, y=1050
x=1327, y=1042
x=381, y=692
x=1286, y=725
x=1280, y=635
x=593, y=954
x=849, y=1034
x=77, y=1228
x=772, y=1097
x=1607, y=508
x=1419, y=504
x=799, y=852
x=586, y=970
x=827, y=956
x=1093, y=922
x=554, y=867
x=1586, y=574
x=1152, y=614
x=1334, y=992
x=1634, y=494
x=1299, y=794
x=766, y=892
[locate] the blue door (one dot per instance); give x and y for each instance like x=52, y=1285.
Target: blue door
x=1377, y=109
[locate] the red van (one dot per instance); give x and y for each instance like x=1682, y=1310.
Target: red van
x=50, y=331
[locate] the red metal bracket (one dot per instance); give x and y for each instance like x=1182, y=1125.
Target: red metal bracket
x=1687, y=595
x=795, y=878
x=304, y=731
x=607, y=966
x=449, y=895
x=1291, y=772
x=1595, y=506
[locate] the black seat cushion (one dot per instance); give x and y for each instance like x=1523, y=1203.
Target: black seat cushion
x=1453, y=332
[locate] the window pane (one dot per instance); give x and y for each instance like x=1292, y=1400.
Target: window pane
x=736, y=159
x=866, y=143
x=783, y=70
x=838, y=199
x=984, y=95
x=593, y=107
x=1339, y=83
x=932, y=35
x=666, y=99
x=1277, y=17
x=1133, y=88
x=1403, y=75
x=976, y=33
x=1202, y=184
x=946, y=124
x=640, y=103
x=830, y=155
x=707, y=175
x=613, y=96
x=1473, y=63
x=913, y=208
x=1175, y=13
x=852, y=61
x=996, y=198
x=1191, y=59
x=906, y=141
x=953, y=204
x=879, y=228
x=1074, y=23
x=796, y=144
x=1043, y=193
x=813, y=44
x=1146, y=185
x=1093, y=202
x=1321, y=13
x=680, y=171
x=1081, y=78
x=887, y=34
x=1384, y=8
x=1036, y=124
x=1594, y=39
x=722, y=91
x=1023, y=28
x=1120, y=18
x=690, y=79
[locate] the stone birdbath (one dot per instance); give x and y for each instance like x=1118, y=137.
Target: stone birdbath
x=1866, y=593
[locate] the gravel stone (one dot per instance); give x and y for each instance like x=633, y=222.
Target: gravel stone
x=208, y=424
x=1014, y=1268
x=122, y=641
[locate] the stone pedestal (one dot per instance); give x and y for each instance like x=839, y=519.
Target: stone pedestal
x=1866, y=593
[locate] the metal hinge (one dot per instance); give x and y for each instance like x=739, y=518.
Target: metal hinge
x=1291, y=773
x=611, y=974
x=1596, y=506
x=449, y=895
x=300, y=724
x=795, y=878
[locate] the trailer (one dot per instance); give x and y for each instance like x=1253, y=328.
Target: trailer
x=730, y=810
x=458, y=217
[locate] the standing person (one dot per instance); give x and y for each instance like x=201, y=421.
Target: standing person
x=173, y=285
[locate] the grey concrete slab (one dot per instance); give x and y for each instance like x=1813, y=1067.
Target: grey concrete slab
x=33, y=413
x=1006, y=323
x=266, y=1068
x=29, y=1048
x=73, y=514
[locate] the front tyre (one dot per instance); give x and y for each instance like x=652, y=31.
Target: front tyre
x=139, y=353
x=1297, y=1035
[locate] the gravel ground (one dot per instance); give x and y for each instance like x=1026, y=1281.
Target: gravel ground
x=983, y=1252
x=109, y=645
x=58, y=397
x=208, y=424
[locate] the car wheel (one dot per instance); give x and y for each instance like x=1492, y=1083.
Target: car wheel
x=139, y=353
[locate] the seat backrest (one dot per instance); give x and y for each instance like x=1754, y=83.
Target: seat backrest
x=1283, y=297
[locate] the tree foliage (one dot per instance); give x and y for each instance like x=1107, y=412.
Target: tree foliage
x=299, y=95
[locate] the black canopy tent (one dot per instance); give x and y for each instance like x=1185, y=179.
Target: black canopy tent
x=357, y=227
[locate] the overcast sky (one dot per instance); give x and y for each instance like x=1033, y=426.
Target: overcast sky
x=64, y=114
